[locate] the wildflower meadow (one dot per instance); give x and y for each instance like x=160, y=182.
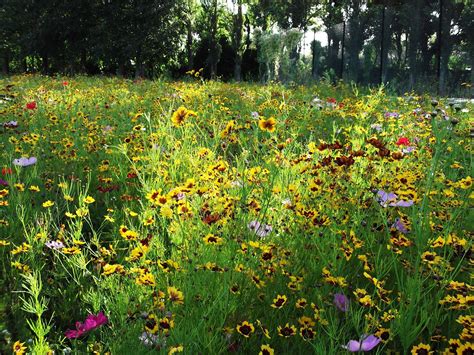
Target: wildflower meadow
x=201, y=217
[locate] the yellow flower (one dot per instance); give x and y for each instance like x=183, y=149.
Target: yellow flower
x=89, y=199
x=82, y=212
x=34, y=188
x=48, y=204
x=266, y=350
x=306, y=321
x=21, y=249
x=19, y=348
x=449, y=193
x=110, y=269
x=301, y=303
x=421, y=349
x=175, y=295
x=71, y=251
x=3, y=193
x=146, y=279
x=212, y=239
x=70, y=215
x=286, y=331
x=175, y=349
x=166, y=211
x=166, y=324
x=127, y=233
x=245, y=328
x=180, y=115
x=267, y=125
x=4, y=243
x=148, y=221
x=22, y=267
x=465, y=183
x=279, y=301
x=137, y=253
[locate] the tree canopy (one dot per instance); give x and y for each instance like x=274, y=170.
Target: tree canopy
x=410, y=44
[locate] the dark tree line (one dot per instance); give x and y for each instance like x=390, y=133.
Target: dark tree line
x=406, y=42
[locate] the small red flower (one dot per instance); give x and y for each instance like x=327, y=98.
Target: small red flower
x=331, y=100
x=403, y=141
x=65, y=83
x=31, y=105
x=6, y=171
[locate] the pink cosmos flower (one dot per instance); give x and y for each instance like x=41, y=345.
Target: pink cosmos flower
x=92, y=321
x=367, y=343
x=25, y=161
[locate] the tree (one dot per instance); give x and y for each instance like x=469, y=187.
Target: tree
x=237, y=44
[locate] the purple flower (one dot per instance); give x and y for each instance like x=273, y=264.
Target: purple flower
x=341, y=302
x=261, y=230
x=408, y=150
x=385, y=197
x=377, y=127
x=400, y=226
x=180, y=196
x=390, y=199
x=25, y=161
x=367, y=343
x=3, y=182
x=391, y=115
x=107, y=129
x=10, y=124
x=56, y=245
x=149, y=339
x=402, y=203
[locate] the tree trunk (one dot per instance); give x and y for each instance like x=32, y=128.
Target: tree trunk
x=189, y=44
x=237, y=42
x=139, y=68
x=315, y=58
x=333, y=50
x=414, y=41
x=472, y=67
x=446, y=46
x=238, y=68
x=45, y=64
x=214, y=50
x=386, y=40
x=355, y=42
x=6, y=63
x=120, y=67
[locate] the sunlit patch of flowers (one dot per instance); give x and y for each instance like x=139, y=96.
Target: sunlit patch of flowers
x=210, y=217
